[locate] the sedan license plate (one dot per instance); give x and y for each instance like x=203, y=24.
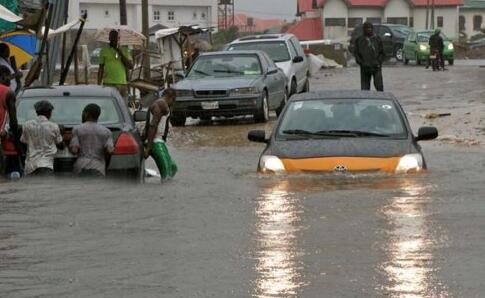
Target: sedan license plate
x=210, y=105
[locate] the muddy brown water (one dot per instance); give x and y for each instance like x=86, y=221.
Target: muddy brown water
x=221, y=230
x=218, y=229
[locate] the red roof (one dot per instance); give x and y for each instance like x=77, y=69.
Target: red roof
x=308, y=29
x=259, y=25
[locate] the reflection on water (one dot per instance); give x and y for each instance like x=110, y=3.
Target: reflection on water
x=409, y=268
x=278, y=214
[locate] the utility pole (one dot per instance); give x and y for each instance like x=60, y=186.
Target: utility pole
x=145, y=29
x=432, y=14
x=427, y=14
x=123, y=19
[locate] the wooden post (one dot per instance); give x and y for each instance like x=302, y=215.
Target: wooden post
x=145, y=30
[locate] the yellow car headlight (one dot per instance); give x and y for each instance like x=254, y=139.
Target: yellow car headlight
x=410, y=163
x=423, y=47
x=450, y=46
x=270, y=163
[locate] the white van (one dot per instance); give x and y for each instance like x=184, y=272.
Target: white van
x=286, y=52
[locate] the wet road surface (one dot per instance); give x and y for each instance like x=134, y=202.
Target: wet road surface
x=221, y=230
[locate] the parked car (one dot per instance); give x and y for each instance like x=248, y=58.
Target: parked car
x=230, y=84
x=416, y=47
x=343, y=131
x=392, y=36
x=286, y=52
x=69, y=101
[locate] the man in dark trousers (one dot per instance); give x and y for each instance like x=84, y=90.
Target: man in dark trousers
x=437, y=45
x=369, y=54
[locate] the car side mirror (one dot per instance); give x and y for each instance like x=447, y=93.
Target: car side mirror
x=427, y=133
x=258, y=136
x=140, y=116
x=272, y=70
x=298, y=59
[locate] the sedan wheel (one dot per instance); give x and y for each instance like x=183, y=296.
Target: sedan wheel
x=282, y=104
x=263, y=114
x=398, y=53
x=177, y=120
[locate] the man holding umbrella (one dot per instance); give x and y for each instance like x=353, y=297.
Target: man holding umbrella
x=114, y=62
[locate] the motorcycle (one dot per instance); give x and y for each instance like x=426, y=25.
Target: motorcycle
x=435, y=58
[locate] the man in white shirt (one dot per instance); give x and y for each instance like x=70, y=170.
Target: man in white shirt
x=43, y=138
x=5, y=60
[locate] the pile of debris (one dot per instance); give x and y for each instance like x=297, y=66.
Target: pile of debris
x=317, y=62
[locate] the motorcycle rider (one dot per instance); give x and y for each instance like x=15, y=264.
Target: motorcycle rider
x=436, y=45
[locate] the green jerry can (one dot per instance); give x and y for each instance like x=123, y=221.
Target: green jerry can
x=166, y=165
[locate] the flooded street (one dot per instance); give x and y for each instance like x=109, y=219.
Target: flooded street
x=219, y=229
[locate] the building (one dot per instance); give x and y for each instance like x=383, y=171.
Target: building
x=339, y=17
x=247, y=24
x=169, y=13
x=472, y=15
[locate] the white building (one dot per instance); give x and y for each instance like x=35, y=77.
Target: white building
x=170, y=13
x=472, y=17
x=339, y=17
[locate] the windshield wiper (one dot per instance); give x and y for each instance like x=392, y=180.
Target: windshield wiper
x=351, y=133
x=201, y=72
x=302, y=132
x=228, y=71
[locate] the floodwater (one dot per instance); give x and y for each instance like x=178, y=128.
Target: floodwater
x=219, y=229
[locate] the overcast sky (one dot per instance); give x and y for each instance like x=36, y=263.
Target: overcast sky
x=282, y=9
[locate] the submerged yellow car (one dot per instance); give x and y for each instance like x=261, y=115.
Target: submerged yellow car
x=343, y=131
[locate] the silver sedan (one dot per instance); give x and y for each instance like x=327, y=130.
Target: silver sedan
x=230, y=84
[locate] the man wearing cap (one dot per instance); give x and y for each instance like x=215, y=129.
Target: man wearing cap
x=42, y=138
x=436, y=44
x=113, y=65
x=369, y=54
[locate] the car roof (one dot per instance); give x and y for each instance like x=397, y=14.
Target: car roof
x=263, y=37
x=343, y=94
x=235, y=52
x=82, y=91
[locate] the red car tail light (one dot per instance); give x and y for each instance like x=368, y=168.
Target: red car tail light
x=126, y=145
x=8, y=146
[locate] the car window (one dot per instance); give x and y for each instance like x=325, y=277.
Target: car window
x=292, y=48
x=226, y=65
x=297, y=45
x=276, y=50
x=364, y=115
x=383, y=30
x=68, y=110
x=269, y=63
x=412, y=36
x=402, y=31
x=424, y=36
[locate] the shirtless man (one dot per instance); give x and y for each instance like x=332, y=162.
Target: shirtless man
x=158, y=112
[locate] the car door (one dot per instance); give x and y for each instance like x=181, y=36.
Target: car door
x=408, y=46
x=301, y=68
x=386, y=36
x=272, y=81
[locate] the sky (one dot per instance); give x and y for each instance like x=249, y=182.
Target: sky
x=281, y=9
